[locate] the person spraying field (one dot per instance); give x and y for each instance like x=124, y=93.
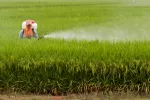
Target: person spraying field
x=29, y=29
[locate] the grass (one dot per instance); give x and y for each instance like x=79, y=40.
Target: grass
x=57, y=65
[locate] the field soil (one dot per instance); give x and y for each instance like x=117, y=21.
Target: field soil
x=92, y=96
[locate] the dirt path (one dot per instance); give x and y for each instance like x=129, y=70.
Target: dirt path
x=72, y=97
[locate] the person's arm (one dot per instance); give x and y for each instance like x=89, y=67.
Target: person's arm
x=21, y=34
x=35, y=33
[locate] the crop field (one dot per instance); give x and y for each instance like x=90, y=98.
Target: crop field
x=103, y=45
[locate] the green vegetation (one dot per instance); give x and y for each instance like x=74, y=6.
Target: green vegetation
x=47, y=65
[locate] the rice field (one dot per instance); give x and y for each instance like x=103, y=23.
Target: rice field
x=61, y=66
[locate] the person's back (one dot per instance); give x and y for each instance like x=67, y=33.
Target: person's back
x=29, y=28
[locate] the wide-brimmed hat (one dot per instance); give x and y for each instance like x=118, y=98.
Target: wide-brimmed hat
x=28, y=22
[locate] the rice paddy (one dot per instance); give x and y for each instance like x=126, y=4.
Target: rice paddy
x=116, y=58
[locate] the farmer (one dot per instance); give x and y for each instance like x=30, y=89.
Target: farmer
x=29, y=28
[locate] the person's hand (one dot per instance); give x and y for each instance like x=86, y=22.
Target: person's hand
x=29, y=36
